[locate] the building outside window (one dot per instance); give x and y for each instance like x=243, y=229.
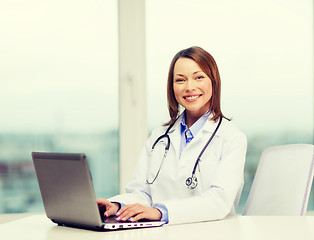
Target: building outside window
x=59, y=93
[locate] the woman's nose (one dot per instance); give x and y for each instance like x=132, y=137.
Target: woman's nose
x=190, y=86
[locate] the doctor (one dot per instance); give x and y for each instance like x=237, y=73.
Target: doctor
x=200, y=178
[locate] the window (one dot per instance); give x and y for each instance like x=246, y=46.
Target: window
x=264, y=52
x=59, y=85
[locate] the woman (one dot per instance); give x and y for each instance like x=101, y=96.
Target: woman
x=201, y=176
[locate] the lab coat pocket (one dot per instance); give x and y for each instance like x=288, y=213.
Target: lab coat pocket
x=208, y=167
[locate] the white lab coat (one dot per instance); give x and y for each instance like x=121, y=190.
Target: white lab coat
x=219, y=174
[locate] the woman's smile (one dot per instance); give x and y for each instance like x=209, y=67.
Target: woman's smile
x=192, y=98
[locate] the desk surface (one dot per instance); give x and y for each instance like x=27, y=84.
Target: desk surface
x=238, y=227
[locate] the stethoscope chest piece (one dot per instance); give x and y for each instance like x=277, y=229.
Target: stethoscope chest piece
x=191, y=182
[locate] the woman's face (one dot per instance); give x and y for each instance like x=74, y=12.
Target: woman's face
x=192, y=87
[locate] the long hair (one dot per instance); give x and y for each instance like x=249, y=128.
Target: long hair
x=208, y=65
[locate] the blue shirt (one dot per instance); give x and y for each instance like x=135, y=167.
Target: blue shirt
x=187, y=134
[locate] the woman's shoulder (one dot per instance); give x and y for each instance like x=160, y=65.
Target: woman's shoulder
x=159, y=130
x=230, y=130
x=154, y=134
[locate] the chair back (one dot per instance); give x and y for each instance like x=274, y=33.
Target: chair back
x=282, y=182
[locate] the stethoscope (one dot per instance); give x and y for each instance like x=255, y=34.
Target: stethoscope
x=190, y=182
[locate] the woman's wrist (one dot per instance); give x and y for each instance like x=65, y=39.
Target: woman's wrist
x=158, y=213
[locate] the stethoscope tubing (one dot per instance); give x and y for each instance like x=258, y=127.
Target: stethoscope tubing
x=191, y=182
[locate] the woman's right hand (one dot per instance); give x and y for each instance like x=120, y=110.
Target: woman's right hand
x=110, y=209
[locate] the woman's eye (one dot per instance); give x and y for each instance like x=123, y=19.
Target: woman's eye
x=199, y=77
x=179, y=80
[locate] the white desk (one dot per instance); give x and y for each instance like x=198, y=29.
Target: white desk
x=239, y=227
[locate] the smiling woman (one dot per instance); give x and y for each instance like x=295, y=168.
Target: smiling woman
x=264, y=49
x=194, y=83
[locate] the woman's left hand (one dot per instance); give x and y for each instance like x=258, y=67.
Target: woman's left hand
x=136, y=212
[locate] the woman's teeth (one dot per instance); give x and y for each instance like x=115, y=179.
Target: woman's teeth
x=191, y=98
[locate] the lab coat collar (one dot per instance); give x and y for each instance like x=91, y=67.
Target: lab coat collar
x=175, y=134
x=207, y=130
x=210, y=125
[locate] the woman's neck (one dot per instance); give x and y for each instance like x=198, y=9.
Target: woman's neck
x=191, y=118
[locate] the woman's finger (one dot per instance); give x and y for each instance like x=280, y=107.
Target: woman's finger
x=107, y=207
x=129, y=211
x=139, y=217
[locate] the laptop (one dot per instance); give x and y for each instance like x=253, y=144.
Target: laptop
x=68, y=195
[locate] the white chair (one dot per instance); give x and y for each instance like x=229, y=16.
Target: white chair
x=282, y=182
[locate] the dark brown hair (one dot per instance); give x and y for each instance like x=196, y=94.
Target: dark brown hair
x=208, y=65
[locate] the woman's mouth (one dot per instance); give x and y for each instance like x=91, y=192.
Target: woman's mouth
x=192, y=98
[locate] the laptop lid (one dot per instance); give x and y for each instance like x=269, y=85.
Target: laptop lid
x=65, y=184
x=68, y=195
